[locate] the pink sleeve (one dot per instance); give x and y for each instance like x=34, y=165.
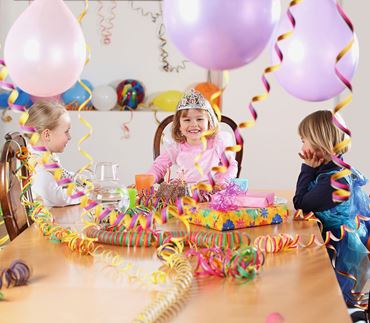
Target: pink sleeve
x=232, y=170
x=163, y=162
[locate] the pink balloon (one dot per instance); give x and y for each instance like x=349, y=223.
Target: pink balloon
x=45, y=49
x=220, y=34
x=54, y=98
x=307, y=71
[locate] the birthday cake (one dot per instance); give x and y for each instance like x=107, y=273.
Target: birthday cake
x=169, y=192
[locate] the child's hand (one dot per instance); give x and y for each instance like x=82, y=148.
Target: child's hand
x=311, y=158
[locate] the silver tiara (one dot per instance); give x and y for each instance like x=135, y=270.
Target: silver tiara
x=193, y=99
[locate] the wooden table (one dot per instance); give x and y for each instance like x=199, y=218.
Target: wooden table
x=67, y=287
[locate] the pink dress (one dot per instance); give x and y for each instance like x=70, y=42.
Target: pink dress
x=182, y=155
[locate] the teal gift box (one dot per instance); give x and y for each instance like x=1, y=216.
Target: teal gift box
x=242, y=183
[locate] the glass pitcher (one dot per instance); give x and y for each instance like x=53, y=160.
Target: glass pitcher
x=106, y=171
x=107, y=188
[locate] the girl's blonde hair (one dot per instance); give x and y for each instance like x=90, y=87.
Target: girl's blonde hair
x=45, y=115
x=319, y=130
x=213, y=125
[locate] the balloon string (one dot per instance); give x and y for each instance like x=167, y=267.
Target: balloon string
x=342, y=191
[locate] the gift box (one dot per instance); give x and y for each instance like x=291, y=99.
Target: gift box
x=240, y=218
x=255, y=199
x=248, y=199
x=241, y=183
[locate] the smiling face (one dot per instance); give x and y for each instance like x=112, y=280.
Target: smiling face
x=56, y=139
x=193, y=123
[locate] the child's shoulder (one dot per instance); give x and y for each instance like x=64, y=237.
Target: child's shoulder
x=224, y=138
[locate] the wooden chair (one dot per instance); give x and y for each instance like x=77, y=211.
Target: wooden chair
x=14, y=212
x=165, y=122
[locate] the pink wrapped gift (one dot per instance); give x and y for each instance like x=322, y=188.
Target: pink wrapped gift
x=255, y=199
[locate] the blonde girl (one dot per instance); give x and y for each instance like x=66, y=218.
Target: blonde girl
x=52, y=122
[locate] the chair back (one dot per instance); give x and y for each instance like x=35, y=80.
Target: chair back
x=165, y=122
x=13, y=175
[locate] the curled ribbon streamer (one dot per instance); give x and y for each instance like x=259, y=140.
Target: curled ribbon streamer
x=87, y=125
x=166, y=65
x=270, y=69
x=238, y=138
x=83, y=12
x=149, y=238
x=224, y=160
x=125, y=128
x=106, y=30
x=153, y=15
x=113, y=259
x=162, y=307
x=17, y=274
x=5, y=238
x=243, y=263
x=342, y=191
x=41, y=216
x=359, y=297
x=6, y=86
x=250, y=123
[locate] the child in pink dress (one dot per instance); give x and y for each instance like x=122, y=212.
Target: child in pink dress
x=194, y=116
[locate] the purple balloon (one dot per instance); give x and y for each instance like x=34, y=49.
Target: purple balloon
x=307, y=71
x=220, y=34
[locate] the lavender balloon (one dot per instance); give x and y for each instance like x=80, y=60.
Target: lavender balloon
x=220, y=34
x=307, y=71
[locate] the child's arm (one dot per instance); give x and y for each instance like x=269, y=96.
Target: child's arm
x=320, y=197
x=232, y=170
x=163, y=162
x=47, y=188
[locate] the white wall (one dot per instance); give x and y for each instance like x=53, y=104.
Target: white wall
x=271, y=147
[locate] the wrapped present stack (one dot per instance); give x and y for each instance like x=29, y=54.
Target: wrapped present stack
x=236, y=208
